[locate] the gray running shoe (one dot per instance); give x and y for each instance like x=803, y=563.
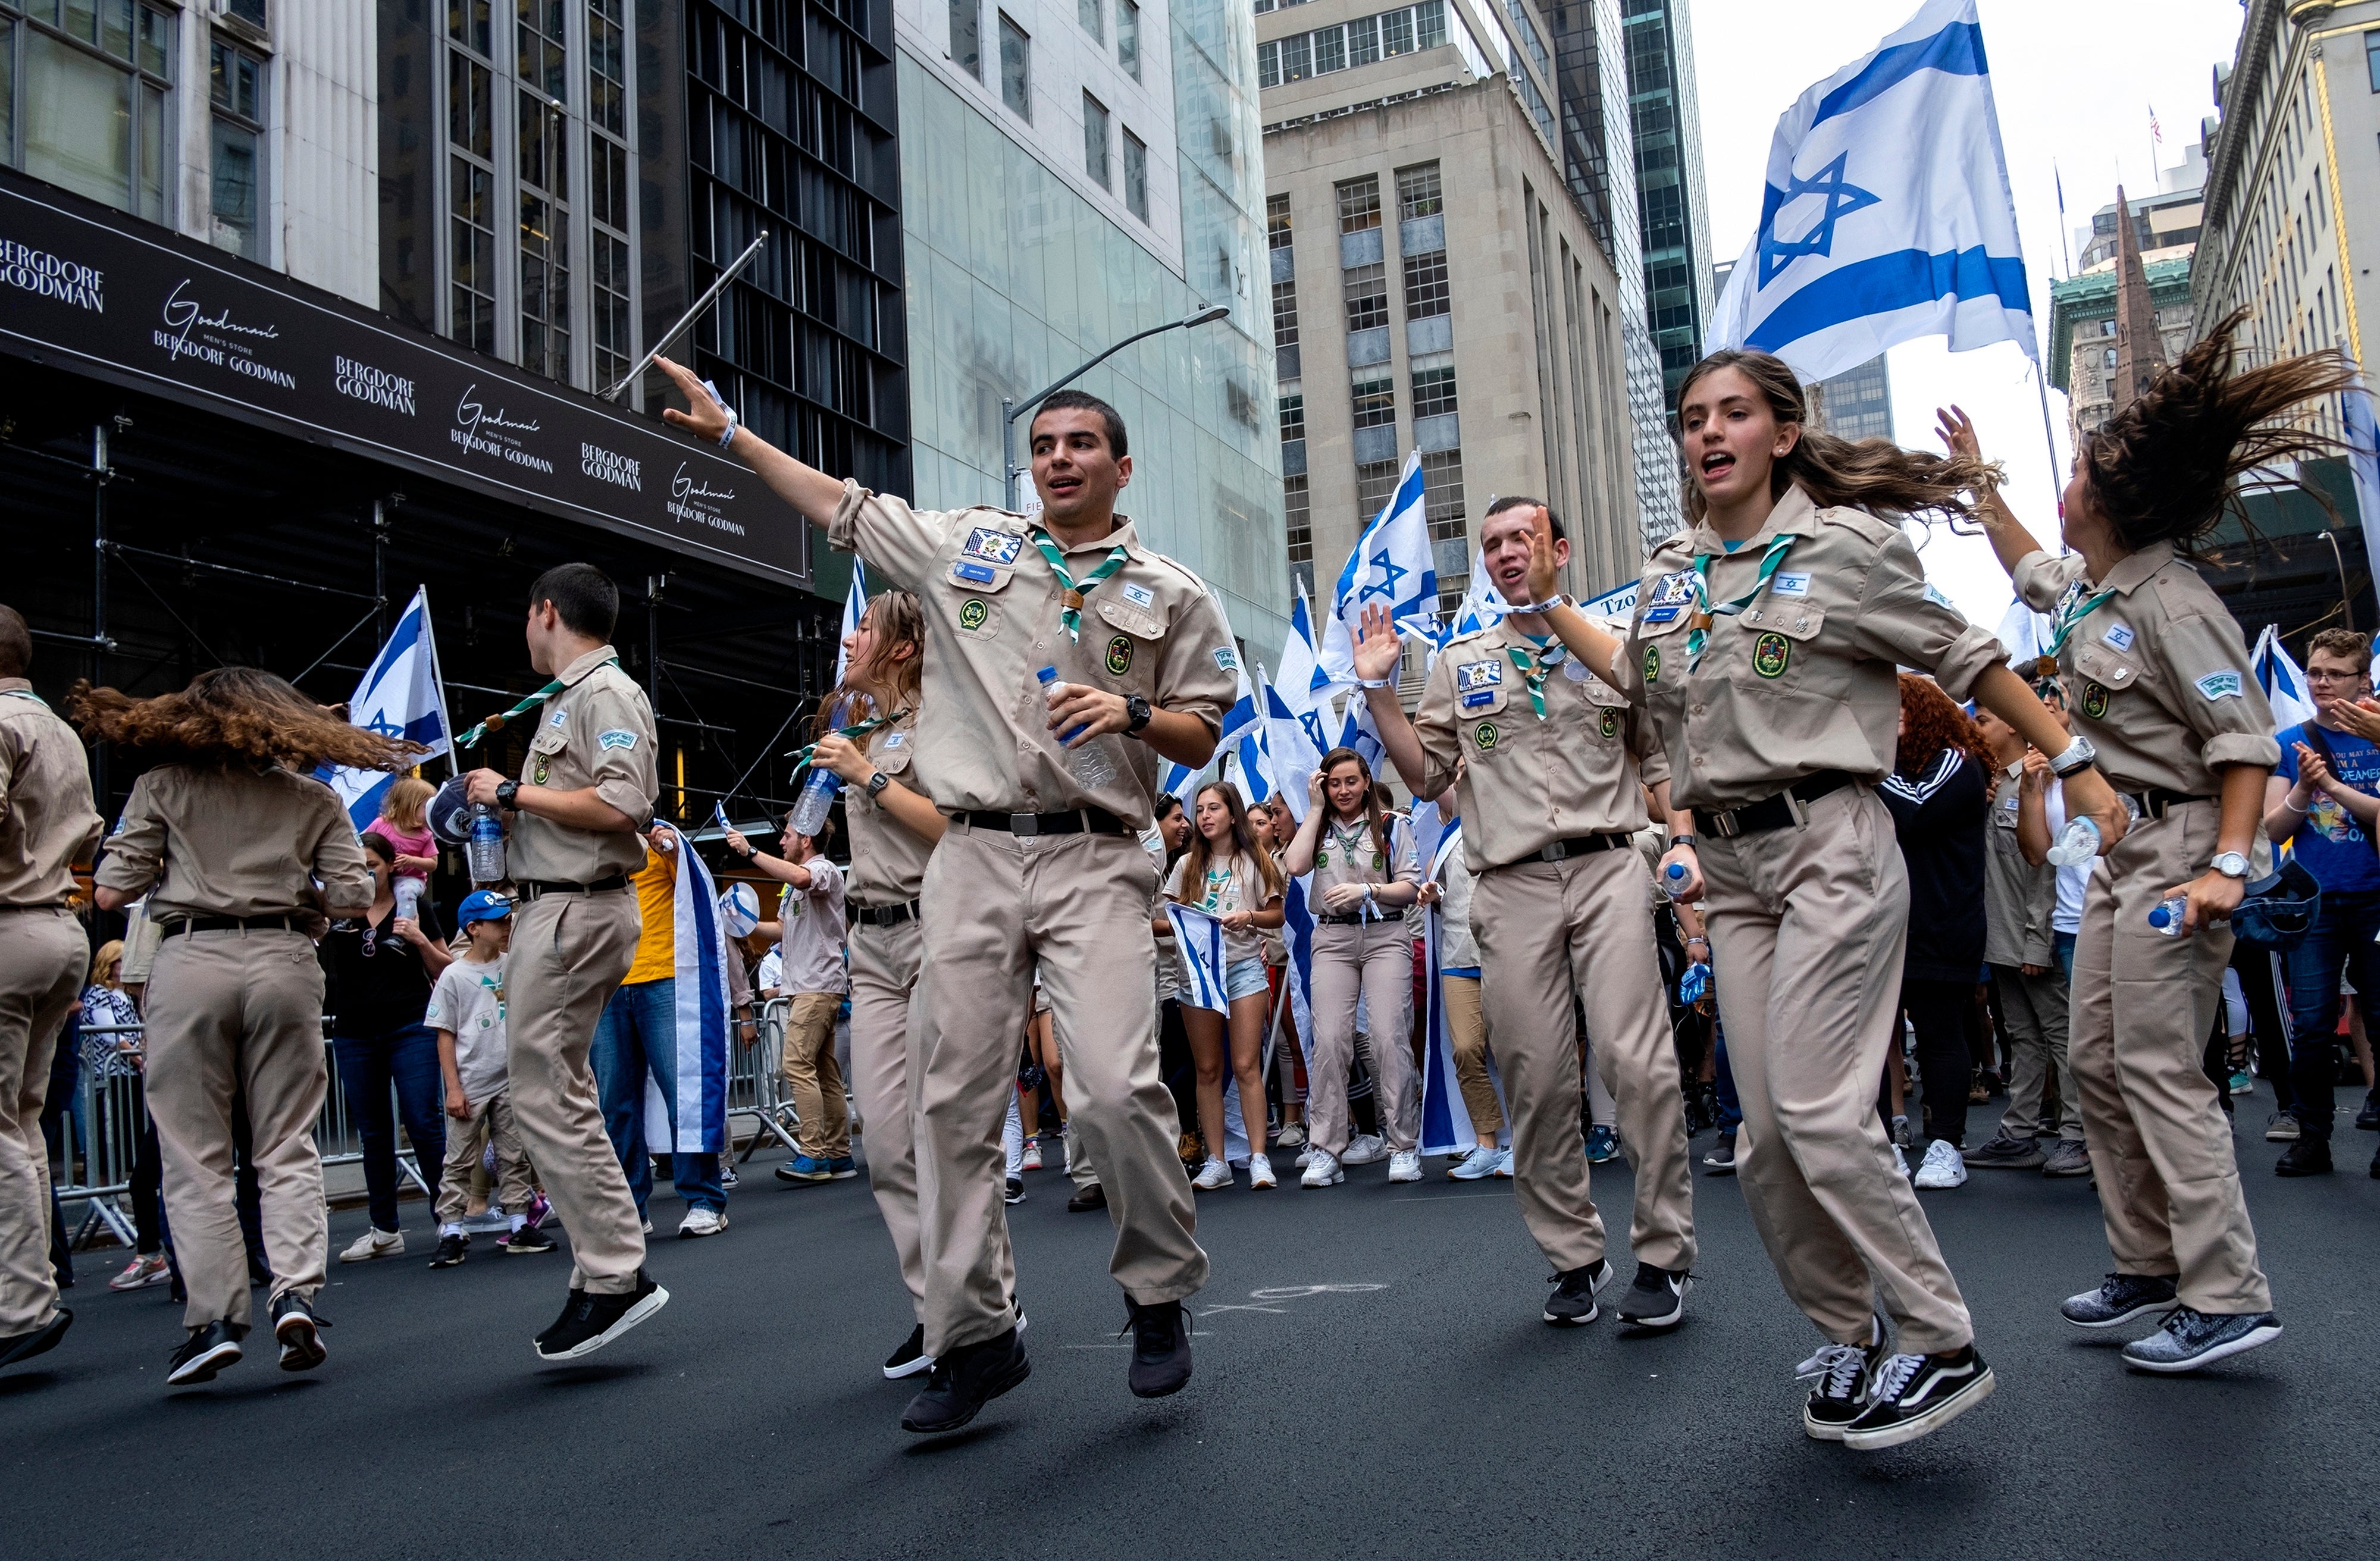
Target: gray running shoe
x=2004, y=1153
x=2066, y=1157
x=2122, y=1298
x=2190, y=1339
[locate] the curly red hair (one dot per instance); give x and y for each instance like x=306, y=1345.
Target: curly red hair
x=1935, y=722
x=235, y=716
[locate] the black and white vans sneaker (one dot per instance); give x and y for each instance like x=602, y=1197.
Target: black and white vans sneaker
x=2190, y=1338
x=298, y=1329
x=205, y=1352
x=1912, y=1396
x=2122, y=1298
x=1656, y=1299
x=1841, y=1392
x=1572, y=1302
x=911, y=1357
x=588, y=1321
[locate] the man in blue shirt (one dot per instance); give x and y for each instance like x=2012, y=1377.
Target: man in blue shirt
x=2321, y=799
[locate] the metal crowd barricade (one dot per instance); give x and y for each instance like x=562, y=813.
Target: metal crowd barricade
x=756, y=1086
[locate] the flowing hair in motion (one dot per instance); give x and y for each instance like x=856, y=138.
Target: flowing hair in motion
x=235, y=716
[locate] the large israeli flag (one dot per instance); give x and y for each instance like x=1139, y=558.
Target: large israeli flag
x=1889, y=214
x=1393, y=566
x=855, y=606
x=1289, y=746
x=2363, y=457
x=1199, y=937
x=1304, y=687
x=2282, y=679
x=400, y=696
x=700, y=1017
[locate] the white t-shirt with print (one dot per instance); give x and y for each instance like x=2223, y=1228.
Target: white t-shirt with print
x=468, y=1000
x=1232, y=883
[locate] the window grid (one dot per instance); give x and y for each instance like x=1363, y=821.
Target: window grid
x=117, y=156
x=1417, y=193
x=1284, y=316
x=1433, y=385
x=614, y=325
x=1359, y=205
x=1376, y=484
x=1296, y=501
x=1441, y=494
x=235, y=88
x=1425, y=289
x=1375, y=398
x=1276, y=234
x=1347, y=45
x=1095, y=141
x=1293, y=418
x=1368, y=298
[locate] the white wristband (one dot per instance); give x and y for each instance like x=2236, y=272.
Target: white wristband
x=1376, y=682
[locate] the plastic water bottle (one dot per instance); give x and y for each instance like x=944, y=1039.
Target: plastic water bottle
x=1694, y=985
x=1089, y=763
x=2167, y=917
x=408, y=898
x=486, y=851
x=2078, y=841
x=1673, y=880
x=817, y=797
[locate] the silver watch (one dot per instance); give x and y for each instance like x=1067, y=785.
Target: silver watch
x=2230, y=864
x=2078, y=754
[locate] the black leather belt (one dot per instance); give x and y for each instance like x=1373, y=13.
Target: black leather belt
x=181, y=924
x=1081, y=820
x=1576, y=845
x=1356, y=918
x=536, y=889
x=45, y=906
x=885, y=916
x=1787, y=806
x=2157, y=802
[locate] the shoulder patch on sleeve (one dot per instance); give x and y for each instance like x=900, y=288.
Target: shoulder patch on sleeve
x=1227, y=660
x=617, y=738
x=1934, y=595
x=2221, y=685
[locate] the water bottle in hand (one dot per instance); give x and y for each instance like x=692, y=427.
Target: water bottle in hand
x=2167, y=917
x=817, y=797
x=485, y=852
x=2076, y=845
x=1673, y=880
x=1089, y=763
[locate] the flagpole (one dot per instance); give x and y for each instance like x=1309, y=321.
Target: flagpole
x=438, y=675
x=2048, y=434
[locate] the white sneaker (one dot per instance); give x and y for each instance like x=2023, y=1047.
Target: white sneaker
x=1260, y=1172
x=1213, y=1175
x=702, y=1220
x=1306, y=1157
x=1365, y=1148
x=372, y=1244
x=492, y=1220
x=1033, y=1153
x=1405, y=1165
x=1944, y=1167
x=1291, y=1136
x=1477, y=1166
x=1322, y=1171
x=1901, y=1162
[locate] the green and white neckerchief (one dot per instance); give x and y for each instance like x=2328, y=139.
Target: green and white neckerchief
x=1698, y=636
x=496, y=723
x=801, y=756
x=1533, y=668
x=1355, y=845
x=1070, y=616
x=1216, y=885
x=26, y=694
x=2072, y=608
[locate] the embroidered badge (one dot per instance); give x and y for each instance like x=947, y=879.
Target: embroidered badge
x=1227, y=660
x=992, y=545
x=615, y=738
x=1936, y=597
x=2120, y=635
x=561, y=718
x=1675, y=590
x=895, y=739
x=1140, y=596
x=1120, y=655
x=2095, y=700
x=1770, y=655
x=1609, y=723
x=1652, y=663
x=537, y=774
x=1782, y=584
x=2222, y=684
x=1472, y=676
x=973, y=613
x=1485, y=736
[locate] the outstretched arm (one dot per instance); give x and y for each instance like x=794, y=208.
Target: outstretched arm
x=1378, y=654
x=808, y=490
x=1581, y=635
x=2010, y=541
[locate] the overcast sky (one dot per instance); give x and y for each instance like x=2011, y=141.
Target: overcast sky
x=2075, y=80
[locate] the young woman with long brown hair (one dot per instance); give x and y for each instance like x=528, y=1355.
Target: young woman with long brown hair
x=2162, y=687
x=1765, y=644
x=234, y=835
x=1365, y=877
x=1226, y=874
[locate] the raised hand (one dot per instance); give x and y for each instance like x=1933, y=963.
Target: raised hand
x=1379, y=652
x=1957, y=432
x=1542, y=586
x=704, y=417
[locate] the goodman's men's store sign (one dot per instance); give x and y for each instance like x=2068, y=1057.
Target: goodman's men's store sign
x=125, y=301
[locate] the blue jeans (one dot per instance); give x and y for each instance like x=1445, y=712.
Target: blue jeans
x=2063, y=942
x=638, y=1035
x=2341, y=941
x=1731, y=1110
x=406, y=1059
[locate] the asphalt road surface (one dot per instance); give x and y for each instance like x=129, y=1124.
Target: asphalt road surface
x=1372, y=1381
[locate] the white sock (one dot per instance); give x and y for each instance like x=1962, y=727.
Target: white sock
x=519, y=1221
x=452, y=1227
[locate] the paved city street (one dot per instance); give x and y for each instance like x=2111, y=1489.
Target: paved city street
x=1372, y=1380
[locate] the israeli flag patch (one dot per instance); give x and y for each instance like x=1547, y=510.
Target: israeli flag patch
x=616, y=738
x=1675, y=590
x=993, y=545
x=895, y=739
x=2120, y=635
x=2222, y=684
x=1472, y=676
x=1140, y=597
x=1782, y=584
x=560, y=718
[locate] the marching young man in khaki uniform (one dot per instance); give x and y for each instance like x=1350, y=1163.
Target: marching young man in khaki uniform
x=46, y=827
x=1041, y=863
x=1553, y=765
x=574, y=819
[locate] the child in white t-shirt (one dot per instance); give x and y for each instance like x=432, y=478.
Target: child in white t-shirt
x=466, y=1008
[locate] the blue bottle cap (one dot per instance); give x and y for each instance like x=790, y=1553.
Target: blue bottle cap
x=2160, y=919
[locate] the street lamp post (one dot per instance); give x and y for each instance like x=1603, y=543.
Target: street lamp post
x=1011, y=409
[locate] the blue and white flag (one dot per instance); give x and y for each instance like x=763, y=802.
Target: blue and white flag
x=2364, y=458
x=1483, y=606
x=2282, y=679
x=1889, y=214
x=1393, y=567
x=1360, y=734
x=1199, y=937
x=855, y=607
x=2025, y=635
x=699, y=1126
x=1301, y=663
x=1290, y=746
x=400, y=696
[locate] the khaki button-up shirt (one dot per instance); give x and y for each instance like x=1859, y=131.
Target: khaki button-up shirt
x=2019, y=898
x=46, y=820
x=597, y=731
x=1581, y=770
x=234, y=842
x=1350, y=853
x=2157, y=676
x=1805, y=678
x=888, y=860
x=991, y=606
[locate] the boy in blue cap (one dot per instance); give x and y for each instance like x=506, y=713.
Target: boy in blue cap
x=466, y=1008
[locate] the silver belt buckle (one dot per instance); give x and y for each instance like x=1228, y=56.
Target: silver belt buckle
x=1557, y=851
x=1023, y=824
x=1795, y=808
x=1724, y=825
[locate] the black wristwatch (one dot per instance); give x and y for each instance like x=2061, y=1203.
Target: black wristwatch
x=1137, y=709
x=506, y=793
x=1677, y=841
x=876, y=784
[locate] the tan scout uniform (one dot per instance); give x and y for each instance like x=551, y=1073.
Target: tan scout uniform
x=571, y=948
x=2018, y=900
x=234, y=1008
x=1561, y=911
x=46, y=826
x=887, y=951
x=1368, y=954
x=1809, y=921
x=2158, y=680
x=997, y=901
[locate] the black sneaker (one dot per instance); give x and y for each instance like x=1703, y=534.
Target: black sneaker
x=1092, y=1197
x=911, y=1357
x=1161, y=1348
x=1842, y=1371
x=964, y=1382
x=298, y=1330
x=205, y=1352
x=1912, y=1396
x=1721, y=1159
x=2307, y=1157
x=1572, y=1302
x=1014, y=1192
x=589, y=1320
x=41, y=1341
x=1657, y=1299
x=452, y=1249
x=2190, y=1338
x=2122, y=1298
x=2368, y=1118
x=2004, y=1153
x=527, y=1242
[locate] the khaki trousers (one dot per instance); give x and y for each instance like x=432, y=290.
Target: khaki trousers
x=466, y=1143
x=2034, y=1008
x=1808, y=926
x=42, y=955
x=569, y=953
x=2160, y=1144
x=1375, y=959
x=814, y=1079
x=238, y=1011
x=1552, y=933
x=1466, y=1022
x=997, y=904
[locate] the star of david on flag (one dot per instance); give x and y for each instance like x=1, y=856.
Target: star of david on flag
x=401, y=694
x=1392, y=565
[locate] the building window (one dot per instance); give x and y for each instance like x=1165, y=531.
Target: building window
x=246, y=10
x=1095, y=141
x=1359, y=205
x=1368, y=298
x=236, y=101
x=2106, y=327
x=2371, y=59
x=1135, y=176
x=545, y=160
x=1376, y=484
x=1329, y=50
x=1300, y=519
x=1417, y=193
x=1284, y=316
x=1093, y=17
x=966, y=36
x=1128, y=37
x=613, y=321
x=1375, y=397
x=1425, y=290
x=1015, y=68
x=471, y=178
x=2111, y=357
x=1293, y=418
x=1363, y=41
x=1441, y=494
x=94, y=79
x=1277, y=235
x=1433, y=384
